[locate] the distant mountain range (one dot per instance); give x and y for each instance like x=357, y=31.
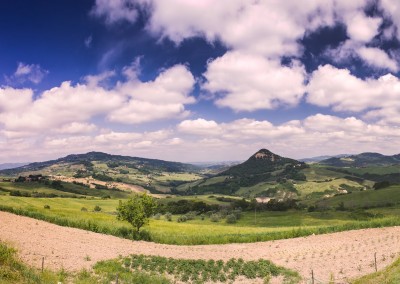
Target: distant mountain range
x=263, y=174
x=11, y=165
x=362, y=160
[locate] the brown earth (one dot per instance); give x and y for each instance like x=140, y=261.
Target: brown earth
x=341, y=255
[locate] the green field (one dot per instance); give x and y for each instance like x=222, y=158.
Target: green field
x=253, y=226
x=395, y=169
x=67, y=190
x=370, y=198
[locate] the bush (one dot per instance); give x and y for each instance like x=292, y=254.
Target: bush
x=237, y=213
x=191, y=215
x=311, y=208
x=157, y=216
x=182, y=218
x=97, y=208
x=215, y=217
x=230, y=219
x=168, y=216
x=46, y=206
x=84, y=209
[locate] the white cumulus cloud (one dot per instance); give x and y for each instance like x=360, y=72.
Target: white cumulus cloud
x=246, y=82
x=339, y=89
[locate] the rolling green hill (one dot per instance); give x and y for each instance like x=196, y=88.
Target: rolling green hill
x=263, y=171
x=148, y=164
x=99, y=168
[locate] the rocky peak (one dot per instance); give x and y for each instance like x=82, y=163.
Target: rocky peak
x=265, y=154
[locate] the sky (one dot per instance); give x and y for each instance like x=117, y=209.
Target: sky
x=198, y=81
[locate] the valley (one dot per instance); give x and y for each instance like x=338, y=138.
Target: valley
x=265, y=198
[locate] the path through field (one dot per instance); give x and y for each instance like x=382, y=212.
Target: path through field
x=343, y=255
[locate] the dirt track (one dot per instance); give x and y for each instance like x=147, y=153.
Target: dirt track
x=343, y=255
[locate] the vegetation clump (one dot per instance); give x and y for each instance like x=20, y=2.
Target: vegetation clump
x=97, y=208
x=137, y=210
x=231, y=219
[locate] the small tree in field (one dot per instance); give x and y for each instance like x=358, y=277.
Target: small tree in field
x=137, y=210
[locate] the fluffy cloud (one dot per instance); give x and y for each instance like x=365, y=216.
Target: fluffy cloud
x=199, y=126
x=68, y=108
x=163, y=98
x=32, y=73
x=362, y=28
x=239, y=24
x=377, y=57
x=339, y=89
x=246, y=82
x=208, y=140
x=58, y=106
x=315, y=135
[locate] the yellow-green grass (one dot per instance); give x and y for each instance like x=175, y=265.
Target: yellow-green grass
x=187, y=186
x=389, y=275
x=13, y=271
x=305, y=188
x=317, y=173
x=166, y=176
x=253, y=190
x=30, y=187
x=202, y=182
x=209, y=199
x=266, y=226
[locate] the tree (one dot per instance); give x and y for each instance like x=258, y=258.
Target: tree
x=137, y=210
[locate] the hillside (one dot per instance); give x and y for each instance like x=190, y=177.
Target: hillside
x=263, y=171
x=264, y=162
x=102, y=170
x=362, y=160
x=104, y=157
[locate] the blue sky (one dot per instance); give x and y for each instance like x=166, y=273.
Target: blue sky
x=204, y=80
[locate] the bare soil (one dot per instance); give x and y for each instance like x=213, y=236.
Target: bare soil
x=343, y=255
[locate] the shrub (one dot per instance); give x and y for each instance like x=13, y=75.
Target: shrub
x=215, y=217
x=97, y=208
x=182, y=218
x=168, y=216
x=84, y=209
x=230, y=219
x=157, y=216
x=191, y=215
x=46, y=206
x=311, y=208
x=238, y=213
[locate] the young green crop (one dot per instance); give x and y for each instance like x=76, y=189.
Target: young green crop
x=200, y=271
